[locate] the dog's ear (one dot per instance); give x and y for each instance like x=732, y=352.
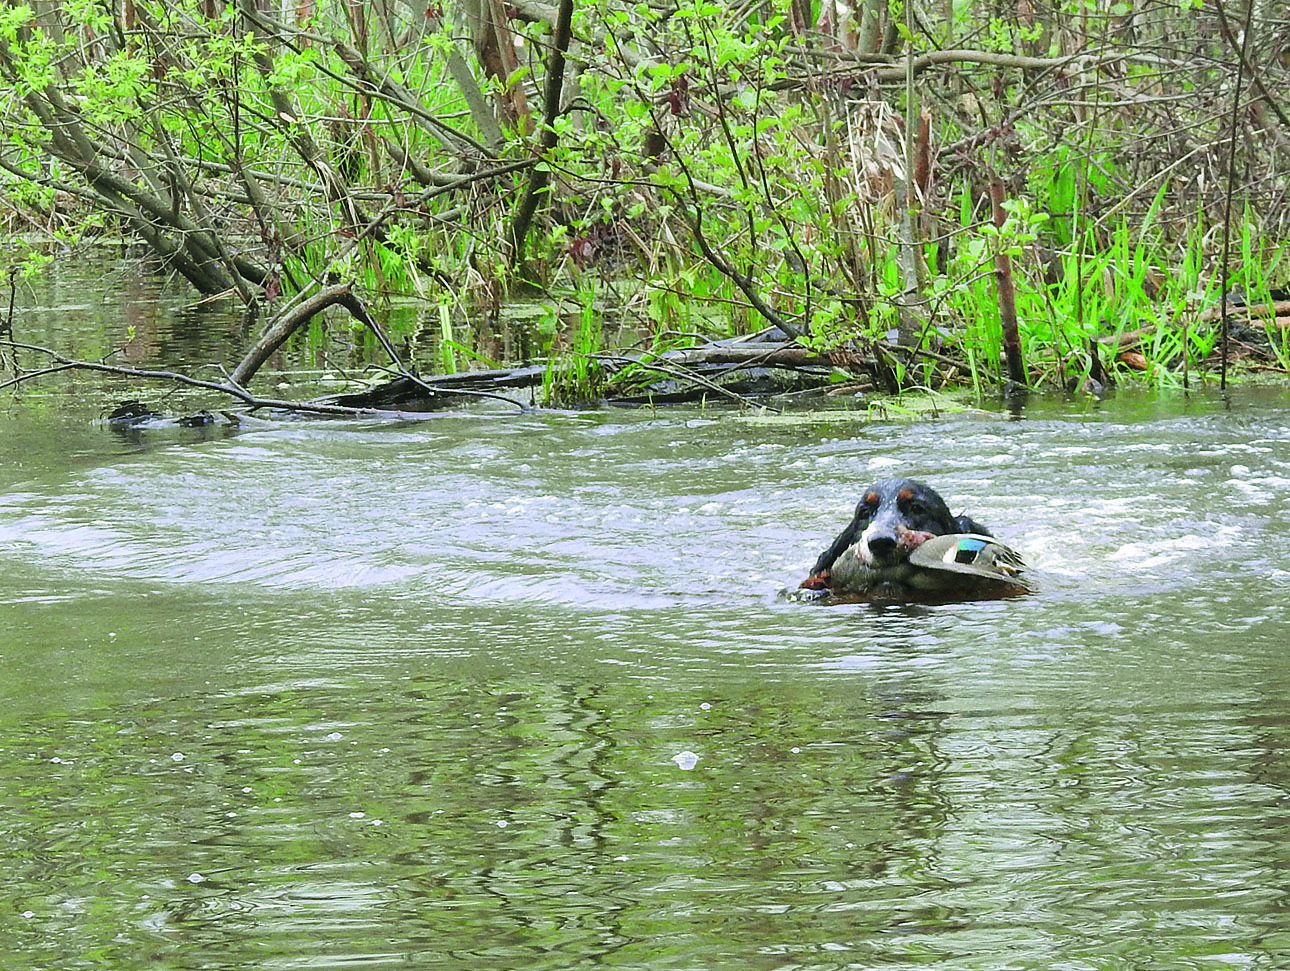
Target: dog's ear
x=838, y=546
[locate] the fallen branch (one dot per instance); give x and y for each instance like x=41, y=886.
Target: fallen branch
x=681, y=374
x=1269, y=315
x=283, y=328
x=729, y=368
x=1276, y=309
x=292, y=320
x=747, y=354
x=1127, y=338
x=63, y=363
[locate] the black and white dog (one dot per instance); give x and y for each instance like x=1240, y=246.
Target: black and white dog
x=882, y=555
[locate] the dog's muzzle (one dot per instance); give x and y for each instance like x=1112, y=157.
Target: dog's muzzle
x=884, y=543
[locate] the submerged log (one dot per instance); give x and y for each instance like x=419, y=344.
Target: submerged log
x=409, y=393
x=739, y=369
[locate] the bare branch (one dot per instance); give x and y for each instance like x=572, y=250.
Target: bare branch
x=282, y=329
x=250, y=400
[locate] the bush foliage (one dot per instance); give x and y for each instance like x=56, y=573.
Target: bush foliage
x=715, y=170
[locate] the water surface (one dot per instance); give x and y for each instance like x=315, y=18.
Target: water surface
x=503, y=691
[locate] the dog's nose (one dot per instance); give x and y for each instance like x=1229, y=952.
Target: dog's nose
x=882, y=545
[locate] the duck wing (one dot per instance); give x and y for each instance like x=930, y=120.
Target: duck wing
x=971, y=554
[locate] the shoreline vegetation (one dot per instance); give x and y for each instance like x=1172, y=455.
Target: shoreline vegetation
x=882, y=198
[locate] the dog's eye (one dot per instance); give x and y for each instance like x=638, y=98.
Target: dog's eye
x=916, y=508
x=867, y=505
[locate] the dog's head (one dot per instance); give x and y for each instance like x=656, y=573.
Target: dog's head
x=895, y=517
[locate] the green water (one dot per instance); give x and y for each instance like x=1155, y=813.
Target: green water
x=518, y=692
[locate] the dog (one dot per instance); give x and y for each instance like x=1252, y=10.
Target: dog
x=871, y=558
